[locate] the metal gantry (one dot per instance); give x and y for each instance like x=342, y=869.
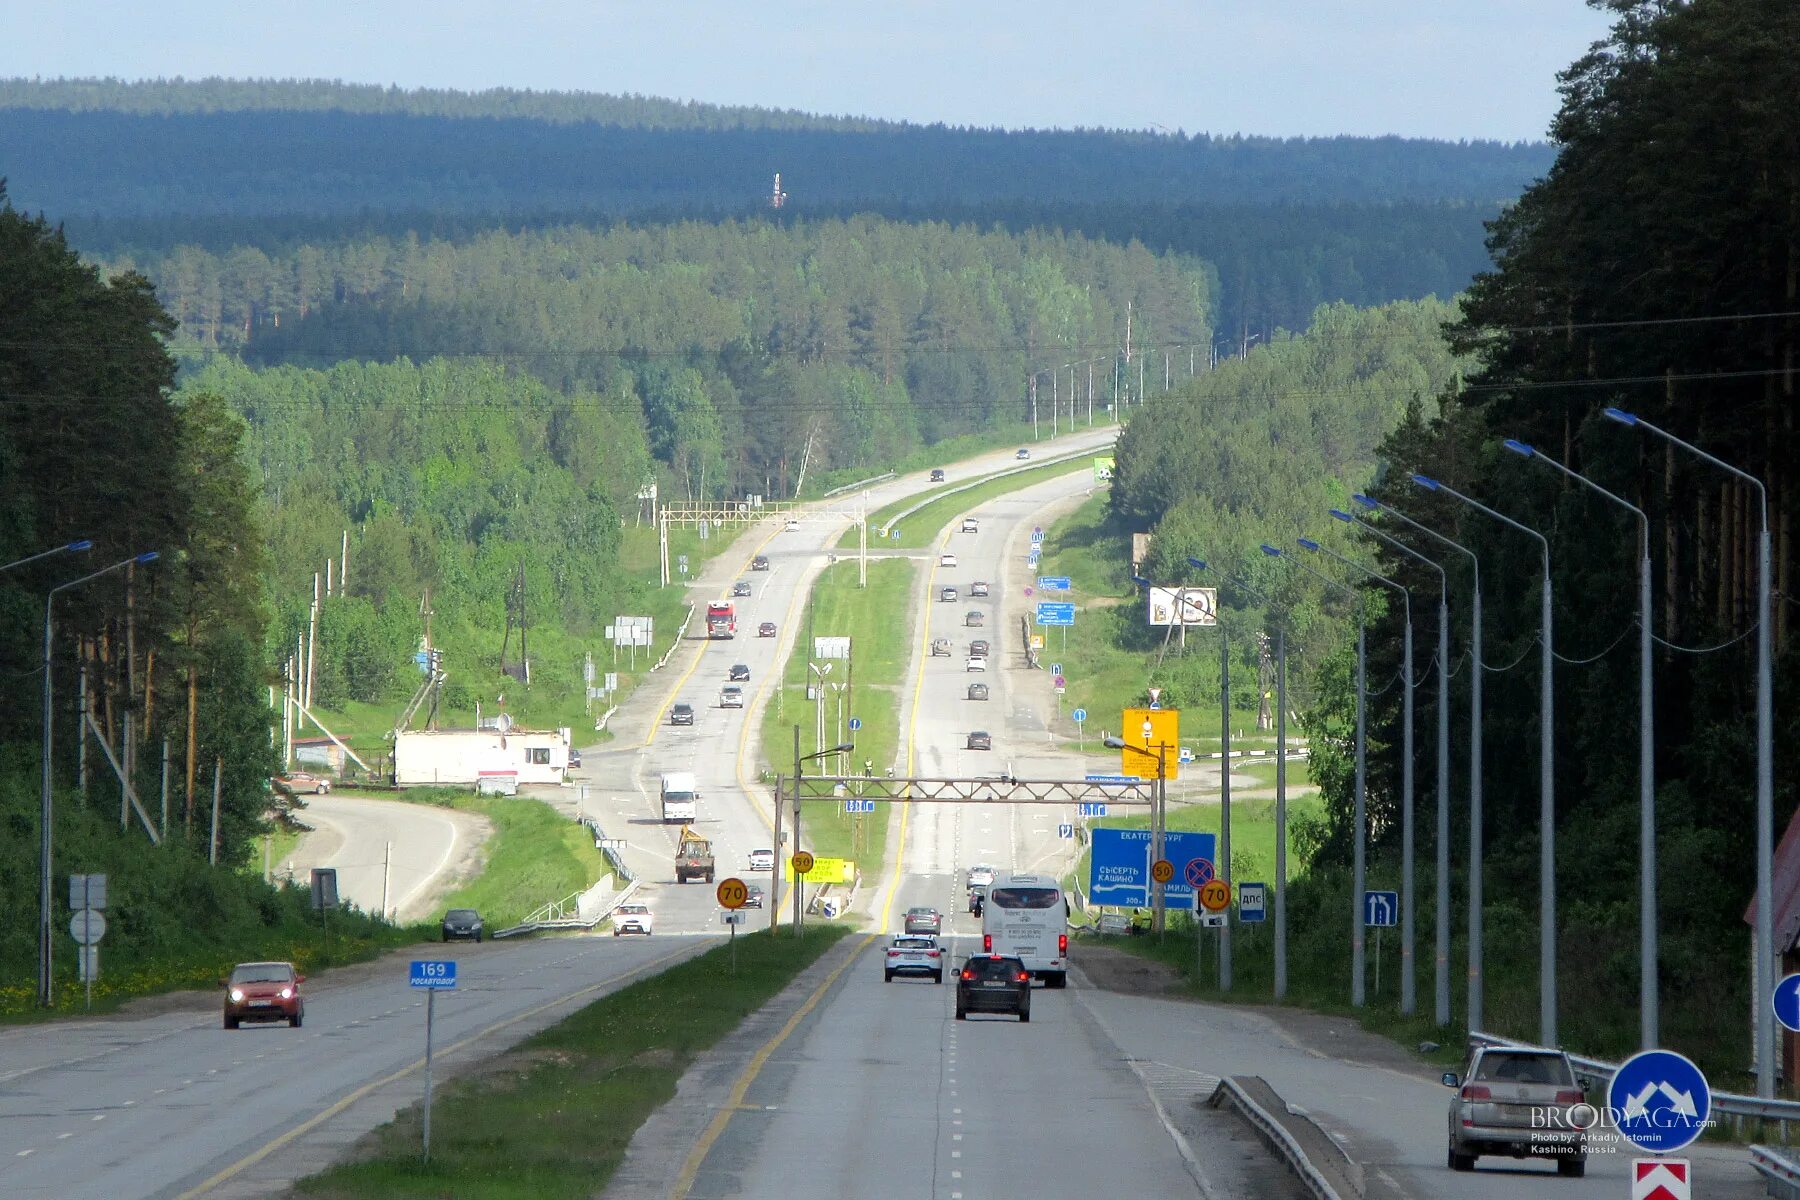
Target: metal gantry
x=719, y=513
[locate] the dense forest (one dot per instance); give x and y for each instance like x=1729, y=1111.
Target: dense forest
x=749, y=346
x=1653, y=270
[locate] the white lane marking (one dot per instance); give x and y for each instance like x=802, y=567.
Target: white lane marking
x=62, y=1136
x=25, y=1154
x=100, y=1117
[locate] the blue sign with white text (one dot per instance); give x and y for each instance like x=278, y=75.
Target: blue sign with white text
x=1119, y=872
x=1054, y=583
x=1381, y=910
x=1052, y=612
x=1660, y=1100
x=1253, y=901
x=428, y=973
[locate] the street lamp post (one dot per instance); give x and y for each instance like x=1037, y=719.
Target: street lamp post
x=1358, y=955
x=1649, y=999
x=1546, y=772
x=1475, y=1000
x=1280, y=791
x=799, y=880
x=46, y=810
x=1408, y=985
x=1767, y=1053
x=1441, y=976
x=68, y=548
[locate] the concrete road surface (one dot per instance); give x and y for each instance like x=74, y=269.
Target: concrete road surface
x=388, y=854
x=176, y=1106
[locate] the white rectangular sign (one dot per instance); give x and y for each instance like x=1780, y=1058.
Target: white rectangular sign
x=1184, y=606
x=831, y=647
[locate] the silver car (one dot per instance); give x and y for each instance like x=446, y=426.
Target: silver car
x=1523, y=1103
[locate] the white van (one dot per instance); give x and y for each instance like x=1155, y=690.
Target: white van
x=1026, y=918
x=680, y=796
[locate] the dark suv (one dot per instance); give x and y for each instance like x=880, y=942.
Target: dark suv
x=462, y=923
x=681, y=714
x=993, y=983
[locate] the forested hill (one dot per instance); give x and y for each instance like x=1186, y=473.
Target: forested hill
x=94, y=164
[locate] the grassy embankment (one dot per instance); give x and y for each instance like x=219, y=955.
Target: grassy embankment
x=926, y=526
x=875, y=619
x=952, y=450
x=551, y=1118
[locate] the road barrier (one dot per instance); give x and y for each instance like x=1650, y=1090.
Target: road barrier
x=1780, y=1174
x=1330, y=1181
x=676, y=644
x=934, y=497
x=851, y=487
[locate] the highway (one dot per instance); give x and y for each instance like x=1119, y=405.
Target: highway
x=158, y=1107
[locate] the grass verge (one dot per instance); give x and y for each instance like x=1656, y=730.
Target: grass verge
x=535, y=855
x=875, y=619
x=550, y=1119
x=925, y=526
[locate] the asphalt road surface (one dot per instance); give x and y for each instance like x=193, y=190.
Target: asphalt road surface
x=387, y=853
x=159, y=1107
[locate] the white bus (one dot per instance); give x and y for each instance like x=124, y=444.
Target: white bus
x=1026, y=917
x=679, y=795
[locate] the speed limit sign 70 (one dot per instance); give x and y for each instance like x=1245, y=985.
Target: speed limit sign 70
x=732, y=893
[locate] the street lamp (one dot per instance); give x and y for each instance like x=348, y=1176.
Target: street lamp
x=1475, y=1001
x=1649, y=999
x=1766, y=1051
x=1280, y=788
x=46, y=812
x=1408, y=994
x=70, y=548
x=799, y=881
x=1546, y=774
x=1442, y=945
x=1358, y=960
x=1224, y=776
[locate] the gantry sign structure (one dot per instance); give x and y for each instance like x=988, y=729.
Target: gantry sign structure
x=717, y=514
x=990, y=789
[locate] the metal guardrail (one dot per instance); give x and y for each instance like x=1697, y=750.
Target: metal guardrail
x=1780, y=1174
x=850, y=487
x=1738, y=1107
x=556, y=914
x=934, y=497
x=1277, y=1137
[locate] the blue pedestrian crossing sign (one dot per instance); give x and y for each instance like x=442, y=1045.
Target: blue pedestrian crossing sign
x=1660, y=1100
x=1381, y=910
x=1787, y=1003
x=433, y=973
x=855, y=724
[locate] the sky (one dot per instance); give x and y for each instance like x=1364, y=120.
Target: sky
x=1426, y=68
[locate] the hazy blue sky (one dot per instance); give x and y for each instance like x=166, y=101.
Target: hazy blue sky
x=1436, y=68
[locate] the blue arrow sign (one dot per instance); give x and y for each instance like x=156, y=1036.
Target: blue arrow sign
x=1051, y=612
x=1381, y=910
x=855, y=724
x=1091, y=808
x=1037, y=535
x=859, y=806
x=1079, y=715
x=1065, y=830
x=1787, y=1003
x=1055, y=583
x=1253, y=901
x=429, y=973
x=1119, y=871
x=1660, y=1100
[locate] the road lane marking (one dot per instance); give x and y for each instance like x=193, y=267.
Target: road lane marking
x=684, y=1182
x=317, y=1119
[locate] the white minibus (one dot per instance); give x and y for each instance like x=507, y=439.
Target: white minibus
x=1025, y=917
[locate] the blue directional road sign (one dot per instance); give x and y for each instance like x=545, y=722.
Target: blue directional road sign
x=1381, y=910
x=1065, y=830
x=1079, y=715
x=1660, y=1100
x=855, y=724
x=431, y=973
x=1090, y=808
x=1253, y=901
x=1054, y=583
x=1051, y=612
x=1037, y=536
x=1787, y=1003
x=1119, y=871
x=859, y=806
x=1056, y=668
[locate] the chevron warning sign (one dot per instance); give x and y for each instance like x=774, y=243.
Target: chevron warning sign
x=1661, y=1179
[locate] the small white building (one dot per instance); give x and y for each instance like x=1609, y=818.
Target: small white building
x=461, y=757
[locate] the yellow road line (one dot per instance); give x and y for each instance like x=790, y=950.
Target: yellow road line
x=684, y=1182
x=700, y=654
x=313, y=1122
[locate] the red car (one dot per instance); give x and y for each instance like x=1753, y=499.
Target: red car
x=264, y=991
x=766, y=629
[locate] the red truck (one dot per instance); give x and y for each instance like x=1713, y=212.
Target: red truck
x=721, y=620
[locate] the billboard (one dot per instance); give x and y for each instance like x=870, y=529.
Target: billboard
x=1103, y=468
x=1183, y=606
x=1148, y=728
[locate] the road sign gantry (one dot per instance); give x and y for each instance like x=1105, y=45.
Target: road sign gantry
x=969, y=790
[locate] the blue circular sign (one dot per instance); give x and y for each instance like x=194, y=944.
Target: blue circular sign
x=1787, y=1003
x=1080, y=715
x=855, y=724
x=1660, y=1100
